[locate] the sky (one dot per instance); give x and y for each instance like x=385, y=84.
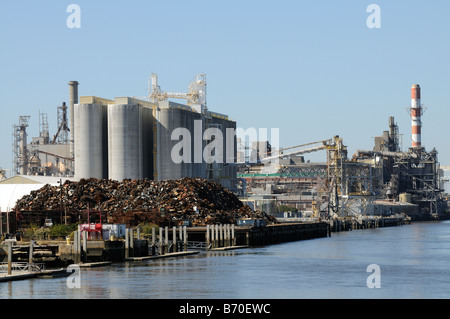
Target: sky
x=312, y=69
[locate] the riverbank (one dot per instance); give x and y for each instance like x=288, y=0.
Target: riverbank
x=103, y=253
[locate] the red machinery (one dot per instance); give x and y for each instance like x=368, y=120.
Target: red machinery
x=94, y=231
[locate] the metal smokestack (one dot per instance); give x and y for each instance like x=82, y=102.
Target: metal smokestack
x=416, y=123
x=73, y=99
x=23, y=151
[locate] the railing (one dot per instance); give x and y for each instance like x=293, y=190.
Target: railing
x=198, y=245
x=22, y=266
x=190, y=244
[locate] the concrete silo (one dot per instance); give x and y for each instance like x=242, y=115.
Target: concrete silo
x=125, y=141
x=90, y=137
x=185, y=126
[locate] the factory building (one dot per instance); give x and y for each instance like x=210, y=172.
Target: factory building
x=132, y=138
x=43, y=155
x=129, y=138
x=156, y=138
x=379, y=181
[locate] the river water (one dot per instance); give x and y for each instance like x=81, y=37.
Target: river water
x=413, y=262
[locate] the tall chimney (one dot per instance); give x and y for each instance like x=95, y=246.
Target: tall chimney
x=23, y=155
x=415, y=117
x=73, y=99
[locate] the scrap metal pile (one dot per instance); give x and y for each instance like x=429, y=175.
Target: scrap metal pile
x=198, y=200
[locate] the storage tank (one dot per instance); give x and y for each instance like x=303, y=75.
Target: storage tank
x=124, y=140
x=89, y=140
x=171, y=116
x=148, y=142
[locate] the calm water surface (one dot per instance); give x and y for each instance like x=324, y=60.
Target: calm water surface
x=414, y=262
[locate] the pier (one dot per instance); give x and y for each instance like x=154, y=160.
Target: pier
x=19, y=260
x=367, y=222
x=221, y=237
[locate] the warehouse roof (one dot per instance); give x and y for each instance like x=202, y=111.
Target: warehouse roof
x=14, y=188
x=33, y=179
x=10, y=193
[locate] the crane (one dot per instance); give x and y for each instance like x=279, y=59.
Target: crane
x=196, y=94
x=280, y=154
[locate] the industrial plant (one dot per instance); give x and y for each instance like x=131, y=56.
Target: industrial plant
x=383, y=181
x=128, y=138
x=135, y=138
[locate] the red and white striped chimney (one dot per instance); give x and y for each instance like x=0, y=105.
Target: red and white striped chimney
x=415, y=116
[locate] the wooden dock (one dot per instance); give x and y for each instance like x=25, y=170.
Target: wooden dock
x=21, y=275
x=168, y=255
x=366, y=222
x=217, y=237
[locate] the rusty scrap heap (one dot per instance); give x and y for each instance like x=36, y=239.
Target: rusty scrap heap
x=198, y=200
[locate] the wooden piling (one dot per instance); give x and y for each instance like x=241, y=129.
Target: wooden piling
x=185, y=238
x=127, y=243
x=77, y=246
x=225, y=235
x=7, y=222
x=131, y=239
x=207, y=237
x=213, y=237
x=74, y=247
x=161, y=241
x=153, y=240
x=166, y=242
x=180, y=238
x=85, y=245
x=217, y=235
x=30, y=257
x=233, y=237
x=174, y=240
x=9, y=257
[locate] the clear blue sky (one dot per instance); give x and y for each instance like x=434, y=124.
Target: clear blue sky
x=313, y=69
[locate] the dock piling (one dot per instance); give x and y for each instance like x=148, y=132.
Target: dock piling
x=180, y=236
x=185, y=238
x=153, y=241
x=174, y=240
x=77, y=246
x=161, y=241
x=9, y=257
x=208, y=240
x=217, y=236
x=85, y=245
x=30, y=257
x=233, y=238
x=166, y=242
x=131, y=239
x=127, y=243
